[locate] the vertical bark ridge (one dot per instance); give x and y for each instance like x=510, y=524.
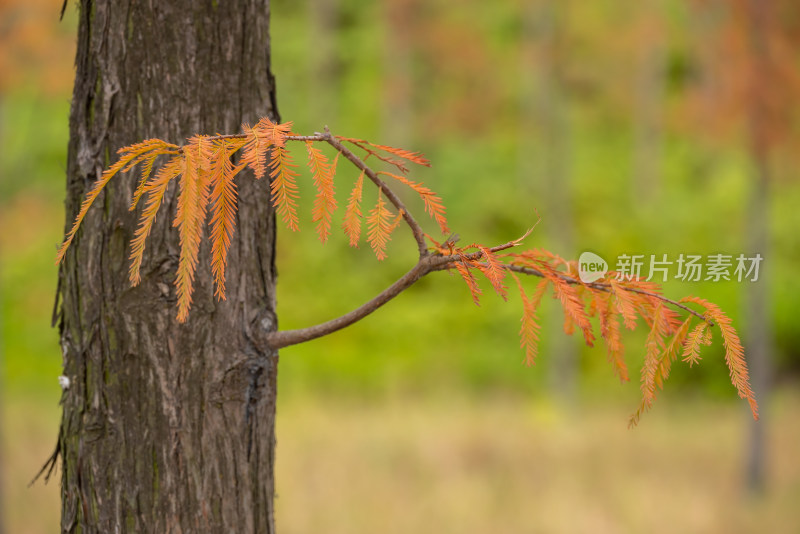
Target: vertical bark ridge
x=166, y=427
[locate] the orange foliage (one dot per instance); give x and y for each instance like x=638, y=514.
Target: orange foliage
x=609, y=330
x=379, y=228
x=283, y=186
x=191, y=217
x=155, y=190
x=691, y=351
x=462, y=266
x=734, y=352
x=206, y=172
x=223, y=212
x=433, y=204
x=352, y=214
x=325, y=203
x=366, y=146
x=529, y=331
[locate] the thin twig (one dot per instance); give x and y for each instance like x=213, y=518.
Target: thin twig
x=315, y=137
x=318, y=137
x=608, y=288
x=441, y=261
x=416, y=229
x=669, y=301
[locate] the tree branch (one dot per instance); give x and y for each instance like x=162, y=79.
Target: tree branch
x=285, y=338
x=607, y=288
x=427, y=262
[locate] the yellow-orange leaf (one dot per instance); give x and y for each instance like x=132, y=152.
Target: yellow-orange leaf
x=223, y=202
x=379, y=228
x=494, y=271
x=572, y=304
x=366, y=146
x=190, y=219
x=671, y=352
x=626, y=304
x=413, y=157
x=433, y=203
x=322, y=173
x=734, y=353
x=655, y=340
x=283, y=187
x=259, y=139
x=396, y=222
x=146, y=170
x=672, y=320
x=529, y=331
x=463, y=269
x=155, y=190
x=609, y=330
x=656, y=369
x=352, y=214
x=697, y=337
x=130, y=156
x=254, y=152
x=277, y=132
x=87, y=203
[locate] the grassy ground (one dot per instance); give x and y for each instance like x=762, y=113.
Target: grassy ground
x=490, y=465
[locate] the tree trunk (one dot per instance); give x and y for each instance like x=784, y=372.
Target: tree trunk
x=758, y=333
x=2, y=403
x=2, y=376
x=166, y=427
x=398, y=77
x=544, y=29
x=649, y=104
x=325, y=61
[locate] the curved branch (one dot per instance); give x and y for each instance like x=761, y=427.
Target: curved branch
x=427, y=264
x=284, y=338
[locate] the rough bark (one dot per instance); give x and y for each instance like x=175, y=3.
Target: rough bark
x=166, y=427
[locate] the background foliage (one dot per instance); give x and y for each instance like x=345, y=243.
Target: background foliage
x=469, y=88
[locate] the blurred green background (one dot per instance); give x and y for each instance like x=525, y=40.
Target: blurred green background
x=626, y=127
